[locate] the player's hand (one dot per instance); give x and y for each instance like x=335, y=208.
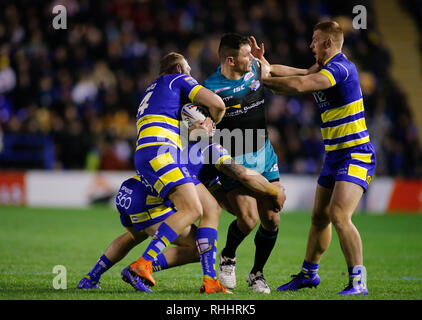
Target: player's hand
x=257, y=52
x=201, y=128
x=278, y=201
x=314, y=69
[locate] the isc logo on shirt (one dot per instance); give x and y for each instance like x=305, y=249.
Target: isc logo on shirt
x=240, y=88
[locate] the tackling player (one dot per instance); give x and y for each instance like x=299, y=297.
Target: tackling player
x=158, y=161
x=142, y=210
x=350, y=157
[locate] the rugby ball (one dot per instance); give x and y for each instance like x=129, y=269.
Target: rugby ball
x=192, y=113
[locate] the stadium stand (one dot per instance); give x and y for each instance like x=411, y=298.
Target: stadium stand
x=69, y=97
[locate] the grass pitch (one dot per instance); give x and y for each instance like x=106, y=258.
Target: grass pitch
x=33, y=241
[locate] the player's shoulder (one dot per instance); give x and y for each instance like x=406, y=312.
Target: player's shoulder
x=341, y=68
x=340, y=63
x=214, y=79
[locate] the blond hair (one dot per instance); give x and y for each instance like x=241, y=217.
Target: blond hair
x=169, y=61
x=333, y=30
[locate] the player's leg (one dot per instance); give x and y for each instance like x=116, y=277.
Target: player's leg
x=345, y=198
x=185, y=252
x=265, y=239
x=319, y=239
x=244, y=207
x=115, y=252
x=189, y=209
x=206, y=241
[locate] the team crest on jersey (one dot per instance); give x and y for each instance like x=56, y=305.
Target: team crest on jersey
x=190, y=80
x=248, y=75
x=255, y=85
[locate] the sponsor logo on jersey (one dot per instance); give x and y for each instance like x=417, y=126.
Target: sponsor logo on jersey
x=240, y=88
x=274, y=167
x=221, y=89
x=255, y=85
x=248, y=75
x=236, y=106
x=190, y=80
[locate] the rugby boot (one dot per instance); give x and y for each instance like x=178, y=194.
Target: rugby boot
x=258, y=283
x=226, y=273
x=299, y=281
x=354, y=289
x=129, y=276
x=143, y=268
x=87, y=283
x=213, y=286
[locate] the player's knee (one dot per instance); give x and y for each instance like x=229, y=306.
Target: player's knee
x=191, y=208
x=248, y=222
x=320, y=219
x=271, y=221
x=339, y=219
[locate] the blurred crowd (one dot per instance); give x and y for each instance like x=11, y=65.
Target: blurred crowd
x=77, y=90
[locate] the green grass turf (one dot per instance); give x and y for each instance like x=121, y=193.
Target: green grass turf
x=33, y=241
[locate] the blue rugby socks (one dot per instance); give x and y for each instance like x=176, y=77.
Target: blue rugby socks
x=309, y=269
x=161, y=240
x=356, y=275
x=159, y=263
x=206, y=241
x=102, y=265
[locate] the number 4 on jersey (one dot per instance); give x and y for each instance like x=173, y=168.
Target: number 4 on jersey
x=144, y=103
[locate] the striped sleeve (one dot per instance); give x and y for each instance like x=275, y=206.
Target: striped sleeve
x=336, y=72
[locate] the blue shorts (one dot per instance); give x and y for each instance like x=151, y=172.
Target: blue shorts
x=163, y=167
x=355, y=164
x=140, y=206
x=263, y=161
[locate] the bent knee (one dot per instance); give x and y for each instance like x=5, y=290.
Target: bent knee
x=271, y=221
x=248, y=221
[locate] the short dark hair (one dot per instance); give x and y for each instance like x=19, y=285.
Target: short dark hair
x=230, y=44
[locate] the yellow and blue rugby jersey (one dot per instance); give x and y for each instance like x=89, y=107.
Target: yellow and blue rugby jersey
x=159, y=110
x=341, y=105
x=205, y=159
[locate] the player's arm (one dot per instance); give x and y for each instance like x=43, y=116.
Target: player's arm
x=298, y=84
x=251, y=180
x=277, y=70
x=213, y=102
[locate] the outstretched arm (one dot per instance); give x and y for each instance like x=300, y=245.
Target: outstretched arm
x=297, y=84
x=277, y=70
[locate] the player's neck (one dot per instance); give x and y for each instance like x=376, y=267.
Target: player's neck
x=329, y=55
x=229, y=73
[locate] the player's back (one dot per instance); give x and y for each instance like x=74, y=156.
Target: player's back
x=159, y=111
x=341, y=106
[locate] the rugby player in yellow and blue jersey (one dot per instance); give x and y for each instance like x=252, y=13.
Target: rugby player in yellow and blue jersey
x=158, y=158
x=142, y=210
x=349, y=164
